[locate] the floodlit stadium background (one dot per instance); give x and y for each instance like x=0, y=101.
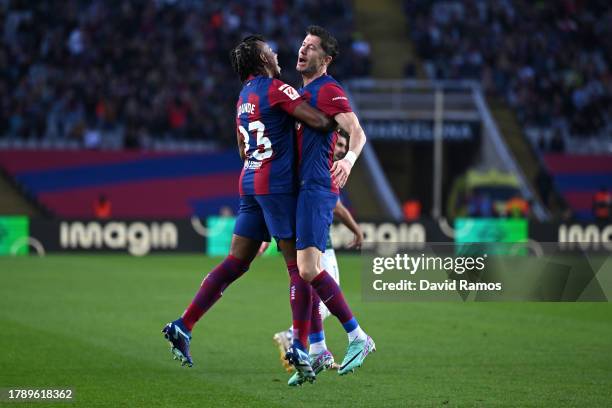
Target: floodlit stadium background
x=118, y=186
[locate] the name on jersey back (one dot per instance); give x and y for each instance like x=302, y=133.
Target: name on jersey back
x=246, y=108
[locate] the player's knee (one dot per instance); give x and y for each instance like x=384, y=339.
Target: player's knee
x=243, y=248
x=308, y=275
x=307, y=270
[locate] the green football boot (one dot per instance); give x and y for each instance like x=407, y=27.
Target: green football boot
x=356, y=352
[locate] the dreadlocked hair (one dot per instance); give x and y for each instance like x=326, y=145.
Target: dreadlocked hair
x=245, y=57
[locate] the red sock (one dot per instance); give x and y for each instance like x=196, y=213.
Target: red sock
x=328, y=290
x=300, y=300
x=212, y=288
x=316, y=323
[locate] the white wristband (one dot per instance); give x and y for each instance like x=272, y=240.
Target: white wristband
x=351, y=157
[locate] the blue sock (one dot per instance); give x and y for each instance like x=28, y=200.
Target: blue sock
x=350, y=325
x=317, y=342
x=316, y=337
x=298, y=344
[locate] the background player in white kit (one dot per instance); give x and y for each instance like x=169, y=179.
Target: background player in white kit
x=284, y=339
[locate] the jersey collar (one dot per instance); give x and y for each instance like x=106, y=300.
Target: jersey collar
x=252, y=77
x=317, y=80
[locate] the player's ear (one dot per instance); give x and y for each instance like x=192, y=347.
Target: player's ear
x=262, y=53
x=327, y=60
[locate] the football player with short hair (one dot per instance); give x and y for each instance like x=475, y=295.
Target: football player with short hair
x=265, y=132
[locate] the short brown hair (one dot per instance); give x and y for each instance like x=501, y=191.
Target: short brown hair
x=343, y=133
x=328, y=41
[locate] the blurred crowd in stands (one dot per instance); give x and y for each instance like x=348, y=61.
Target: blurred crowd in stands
x=116, y=71
x=550, y=60
x=602, y=204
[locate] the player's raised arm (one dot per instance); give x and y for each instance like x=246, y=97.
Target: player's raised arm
x=344, y=215
x=357, y=139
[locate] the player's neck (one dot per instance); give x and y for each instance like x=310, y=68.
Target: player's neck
x=269, y=73
x=306, y=79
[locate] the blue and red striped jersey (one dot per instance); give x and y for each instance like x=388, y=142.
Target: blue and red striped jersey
x=264, y=123
x=315, y=148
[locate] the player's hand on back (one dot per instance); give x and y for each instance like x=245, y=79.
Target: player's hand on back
x=340, y=171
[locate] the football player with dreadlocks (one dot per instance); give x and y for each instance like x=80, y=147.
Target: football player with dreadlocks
x=265, y=133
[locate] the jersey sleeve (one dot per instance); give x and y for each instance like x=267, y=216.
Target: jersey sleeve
x=332, y=100
x=284, y=96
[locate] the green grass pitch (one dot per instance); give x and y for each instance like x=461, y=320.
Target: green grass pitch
x=93, y=323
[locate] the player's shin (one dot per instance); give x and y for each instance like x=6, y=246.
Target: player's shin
x=331, y=295
x=212, y=288
x=300, y=294
x=317, y=335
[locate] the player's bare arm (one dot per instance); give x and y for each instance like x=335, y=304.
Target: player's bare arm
x=241, y=146
x=314, y=118
x=344, y=215
x=341, y=169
